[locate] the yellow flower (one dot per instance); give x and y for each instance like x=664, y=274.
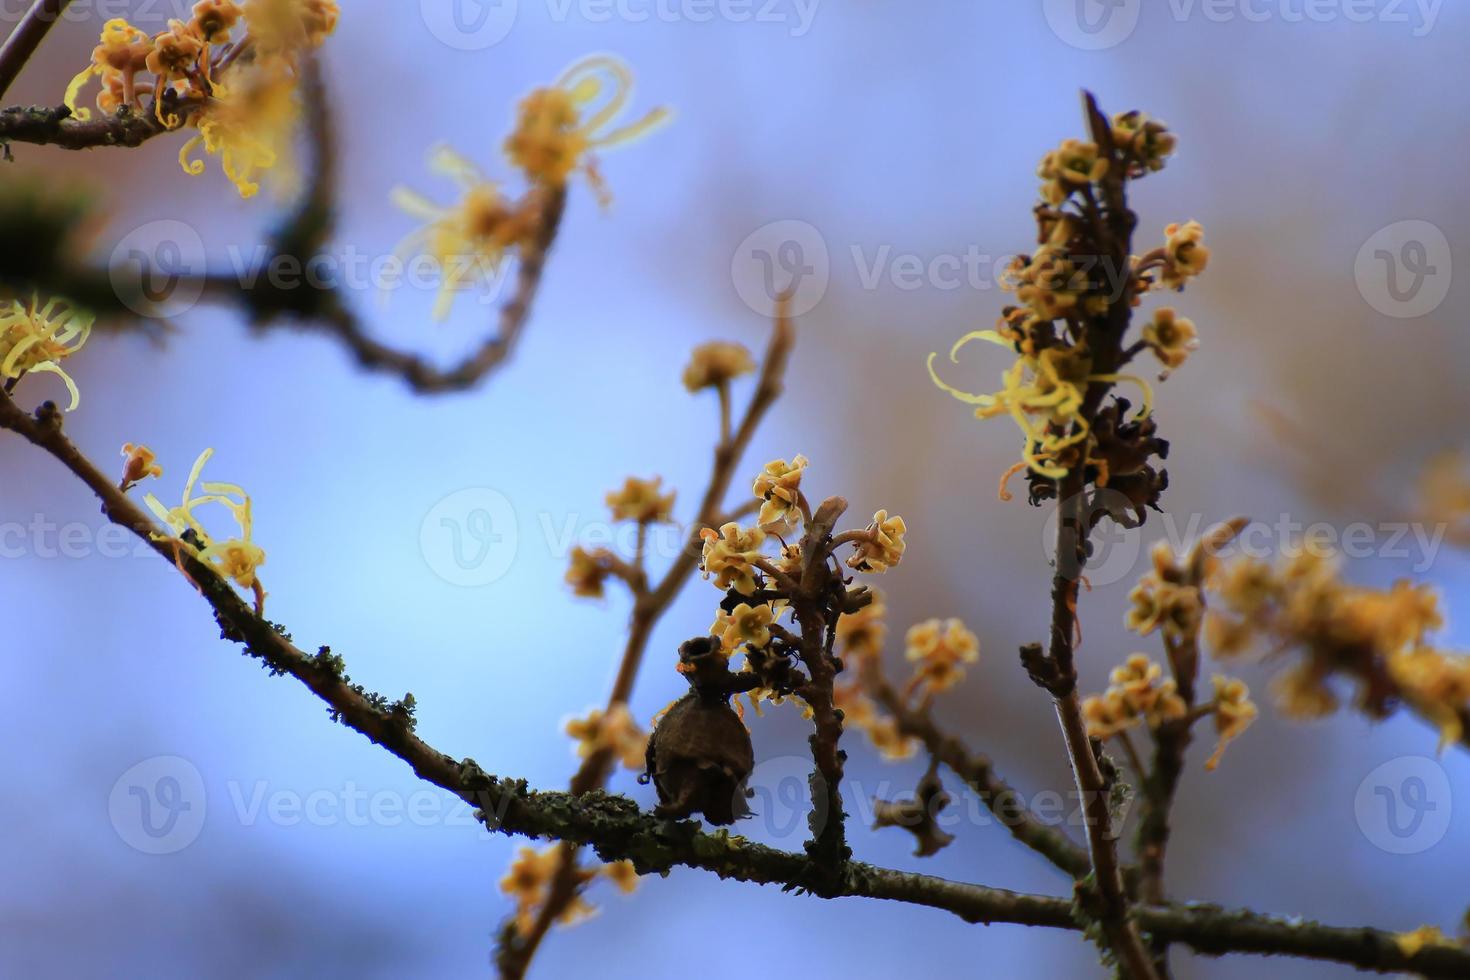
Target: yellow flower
x=940, y=649
x=1107, y=715
x=247, y=123
x=214, y=19
x=1176, y=608
x=716, y=363
x=121, y=56
x=1438, y=685
x=744, y=624
x=860, y=635
x=1137, y=693
x=36, y=339
x=528, y=882
x=470, y=240
x=587, y=573
x=1172, y=338
x=1409, y=943
x=729, y=555
x=1144, y=139
x=779, y=489
x=639, y=500
x=175, y=57
x=611, y=731
x=1068, y=167
x=1234, y=712
x=1042, y=393
x=141, y=464
x=623, y=875
x=235, y=558
x=883, y=547
x=558, y=126
x=289, y=26
x=1185, y=254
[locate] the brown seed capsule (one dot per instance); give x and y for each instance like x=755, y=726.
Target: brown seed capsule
x=700, y=755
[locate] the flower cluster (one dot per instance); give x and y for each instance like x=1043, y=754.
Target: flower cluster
x=1233, y=711
x=881, y=545
x=239, y=94
x=939, y=649
x=613, y=731
x=235, y=558
x=745, y=624
x=717, y=363
x=860, y=634
x=732, y=555
x=1063, y=330
x=35, y=338
x=641, y=501
x=529, y=880
x=779, y=490
x=1377, y=637
x=1137, y=692
x=588, y=571
x=557, y=128
x=1165, y=599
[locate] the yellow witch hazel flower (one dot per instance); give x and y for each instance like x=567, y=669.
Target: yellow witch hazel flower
x=122, y=54
x=744, y=624
x=558, y=126
x=612, y=731
x=716, y=363
x=1043, y=393
x=779, y=489
x=883, y=547
x=470, y=239
x=237, y=558
x=36, y=338
x=939, y=650
x=641, y=501
x=729, y=555
x=248, y=125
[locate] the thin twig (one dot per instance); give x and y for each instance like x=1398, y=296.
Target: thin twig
x=516, y=949
x=26, y=37
x=979, y=773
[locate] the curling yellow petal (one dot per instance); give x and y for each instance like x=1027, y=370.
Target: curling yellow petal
x=71, y=386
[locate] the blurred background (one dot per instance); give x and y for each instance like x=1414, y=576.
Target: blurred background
x=879, y=139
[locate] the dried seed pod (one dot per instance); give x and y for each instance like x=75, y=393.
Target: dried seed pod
x=700, y=755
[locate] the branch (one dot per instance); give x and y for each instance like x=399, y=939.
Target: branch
x=56, y=127
x=979, y=774
x=517, y=950
x=618, y=830
x=1114, y=230
x=311, y=310
x=26, y=37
